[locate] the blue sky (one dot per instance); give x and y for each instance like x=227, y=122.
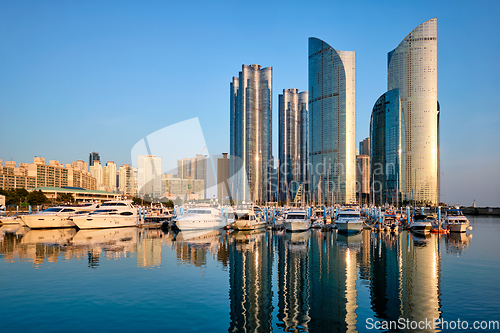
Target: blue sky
x=82, y=76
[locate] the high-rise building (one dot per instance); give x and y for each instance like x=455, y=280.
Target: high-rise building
x=127, y=180
x=193, y=168
x=412, y=73
x=109, y=177
x=93, y=156
x=293, y=136
x=149, y=176
x=251, y=133
x=332, y=122
x=96, y=170
x=364, y=147
x=223, y=178
x=387, y=138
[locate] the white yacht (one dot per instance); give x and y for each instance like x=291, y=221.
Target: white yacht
x=349, y=221
x=14, y=219
x=297, y=220
x=455, y=221
x=111, y=214
x=421, y=224
x=56, y=217
x=249, y=221
x=201, y=218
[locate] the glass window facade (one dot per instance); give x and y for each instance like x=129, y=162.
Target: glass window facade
x=251, y=134
x=412, y=68
x=332, y=122
x=293, y=136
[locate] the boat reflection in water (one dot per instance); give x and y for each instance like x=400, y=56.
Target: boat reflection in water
x=193, y=246
x=456, y=243
x=60, y=237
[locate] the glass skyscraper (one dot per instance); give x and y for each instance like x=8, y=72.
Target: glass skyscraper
x=412, y=69
x=251, y=134
x=387, y=139
x=332, y=122
x=293, y=136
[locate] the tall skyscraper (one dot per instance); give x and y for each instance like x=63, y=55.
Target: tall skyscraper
x=332, y=122
x=93, y=156
x=387, y=130
x=149, y=179
x=363, y=178
x=293, y=136
x=251, y=133
x=412, y=87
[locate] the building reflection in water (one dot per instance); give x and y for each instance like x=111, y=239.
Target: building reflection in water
x=404, y=271
x=293, y=281
x=250, y=282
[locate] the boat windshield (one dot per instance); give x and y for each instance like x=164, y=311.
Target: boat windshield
x=53, y=210
x=113, y=204
x=353, y=215
x=296, y=216
x=199, y=211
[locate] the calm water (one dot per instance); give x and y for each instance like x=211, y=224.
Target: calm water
x=136, y=280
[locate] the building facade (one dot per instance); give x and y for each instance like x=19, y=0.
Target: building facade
x=109, y=177
x=223, y=178
x=149, y=176
x=293, y=135
x=363, y=178
x=38, y=174
x=412, y=68
x=251, y=134
x=126, y=178
x=364, y=147
x=97, y=171
x=93, y=156
x=332, y=122
x=387, y=129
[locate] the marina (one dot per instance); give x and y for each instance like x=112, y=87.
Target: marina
x=258, y=280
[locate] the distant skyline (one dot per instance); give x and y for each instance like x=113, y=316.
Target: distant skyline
x=78, y=77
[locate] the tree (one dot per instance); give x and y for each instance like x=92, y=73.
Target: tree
x=37, y=198
x=65, y=197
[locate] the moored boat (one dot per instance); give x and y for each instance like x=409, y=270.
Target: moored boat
x=455, y=221
x=111, y=214
x=421, y=224
x=56, y=217
x=200, y=218
x=349, y=221
x=297, y=220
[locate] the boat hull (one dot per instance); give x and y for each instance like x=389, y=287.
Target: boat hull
x=199, y=224
x=349, y=227
x=297, y=225
x=245, y=225
x=36, y=221
x=457, y=227
x=101, y=222
x=421, y=228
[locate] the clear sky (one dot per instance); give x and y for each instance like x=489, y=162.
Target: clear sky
x=82, y=76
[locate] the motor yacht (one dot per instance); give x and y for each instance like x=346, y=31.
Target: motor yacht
x=249, y=221
x=200, y=218
x=111, y=214
x=56, y=217
x=349, y=221
x=297, y=220
x=455, y=221
x=421, y=224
